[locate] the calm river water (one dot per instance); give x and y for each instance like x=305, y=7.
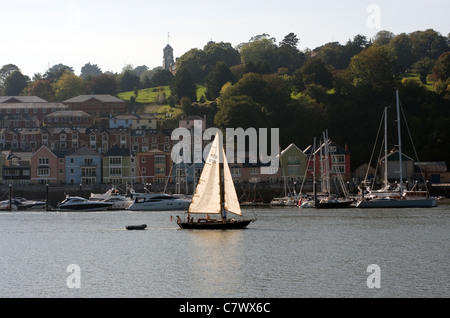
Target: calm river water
x=286, y=253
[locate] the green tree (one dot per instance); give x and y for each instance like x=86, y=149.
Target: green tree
x=220, y=52
x=219, y=75
x=103, y=84
x=402, y=51
x=69, y=85
x=239, y=111
x=5, y=72
x=128, y=81
x=423, y=67
x=54, y=73
x=441, y=70
x=162, y=78
x=314, y=71
x=43, y=89
x=383, y=37
x=261, y=48
x=183, y=85
x=194, y=61
x=14, y=84
x=90, y=70
x=288, y=54
x=333, y=54
x=428, y=43
x=373, y=69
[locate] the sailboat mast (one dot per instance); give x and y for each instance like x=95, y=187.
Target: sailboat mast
x=221, y=184
x=399, y=140
x=385, y=149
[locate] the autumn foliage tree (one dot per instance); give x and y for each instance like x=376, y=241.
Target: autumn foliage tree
x=68, y=86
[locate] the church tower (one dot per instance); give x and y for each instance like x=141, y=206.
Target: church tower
x=168, y=61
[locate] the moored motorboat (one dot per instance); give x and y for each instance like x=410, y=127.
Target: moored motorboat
x=158, y=202
x=82, y=204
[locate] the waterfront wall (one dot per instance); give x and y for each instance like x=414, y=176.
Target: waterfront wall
x=263, y=191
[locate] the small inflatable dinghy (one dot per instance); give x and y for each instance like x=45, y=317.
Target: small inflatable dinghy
x=136, y=227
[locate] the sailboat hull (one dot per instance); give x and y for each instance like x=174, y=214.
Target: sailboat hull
x=216, y=225
x=397, y=203
x=334, y=204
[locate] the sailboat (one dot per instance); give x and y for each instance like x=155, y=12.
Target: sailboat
x=329, y=201
x=400, y=197
x=215, y=195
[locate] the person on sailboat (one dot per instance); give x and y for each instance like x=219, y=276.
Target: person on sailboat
x=224, y=214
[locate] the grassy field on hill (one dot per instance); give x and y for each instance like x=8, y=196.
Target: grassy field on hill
x=154, y=100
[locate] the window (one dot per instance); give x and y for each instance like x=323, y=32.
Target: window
x=160, y=160
x=338, y=168
x=160, y=171
x=338, y=159
x=115, y=161
x=293, y=170
x=143, y=159
x=88, y=172
x=43, y=172
x=293, y=160
x=43, y=161
x=115, y=171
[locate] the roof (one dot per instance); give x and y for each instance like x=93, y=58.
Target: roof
x=394, y=156
x=431, y=166
x=100, y=98
x=116, y=151
x=289, y=147
x=339, y=149
x=84, y=151
x=65, y=113
x=21, y=99
x=33, y=105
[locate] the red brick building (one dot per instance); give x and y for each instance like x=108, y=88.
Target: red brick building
x=96, y=104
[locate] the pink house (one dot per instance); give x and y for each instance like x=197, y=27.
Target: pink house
x=48, y=166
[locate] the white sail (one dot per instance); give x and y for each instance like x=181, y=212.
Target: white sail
x=206, y=198
x=230, y=197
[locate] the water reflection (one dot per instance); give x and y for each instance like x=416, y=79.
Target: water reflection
x=215, y=260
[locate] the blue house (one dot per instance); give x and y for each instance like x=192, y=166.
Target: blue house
x=83, y=166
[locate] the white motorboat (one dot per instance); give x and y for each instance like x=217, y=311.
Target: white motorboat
x=120, y=202
x=4, y=206
x=29, y=204
x=158, y=202
x=82, y=204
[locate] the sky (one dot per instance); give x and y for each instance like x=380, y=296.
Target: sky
x=36, y=34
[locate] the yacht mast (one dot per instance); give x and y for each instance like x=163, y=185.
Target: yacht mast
x=399, y=141
x=385, y=149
